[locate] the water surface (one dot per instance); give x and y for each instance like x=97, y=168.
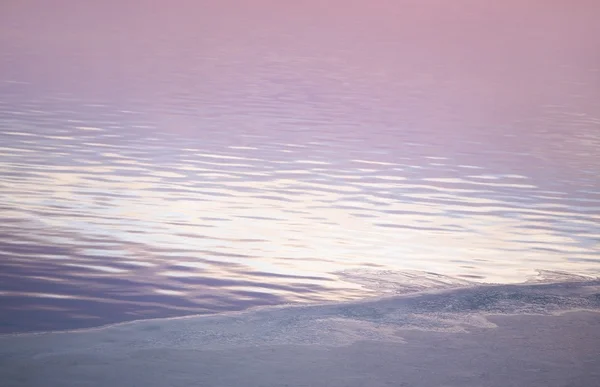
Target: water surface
x=202, y=158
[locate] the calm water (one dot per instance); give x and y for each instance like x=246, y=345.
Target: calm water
x=202, y=158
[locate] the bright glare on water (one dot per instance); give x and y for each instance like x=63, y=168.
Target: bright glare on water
x=204, y=158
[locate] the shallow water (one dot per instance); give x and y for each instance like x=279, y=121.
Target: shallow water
x=213, y=158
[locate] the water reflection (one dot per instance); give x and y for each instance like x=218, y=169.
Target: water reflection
x=144, y=178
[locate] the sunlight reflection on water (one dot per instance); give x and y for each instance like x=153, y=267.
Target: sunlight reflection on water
x=262, y=165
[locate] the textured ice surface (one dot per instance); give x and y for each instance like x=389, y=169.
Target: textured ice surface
x=463, y=336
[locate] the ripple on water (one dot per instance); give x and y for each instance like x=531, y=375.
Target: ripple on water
x=176, y=180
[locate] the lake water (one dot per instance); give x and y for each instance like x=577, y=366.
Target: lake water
x=210, y=157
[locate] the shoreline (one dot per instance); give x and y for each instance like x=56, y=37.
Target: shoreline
x=423, y=285
x=537, y=298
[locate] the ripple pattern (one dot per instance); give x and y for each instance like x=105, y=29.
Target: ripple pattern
x=214, y=166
